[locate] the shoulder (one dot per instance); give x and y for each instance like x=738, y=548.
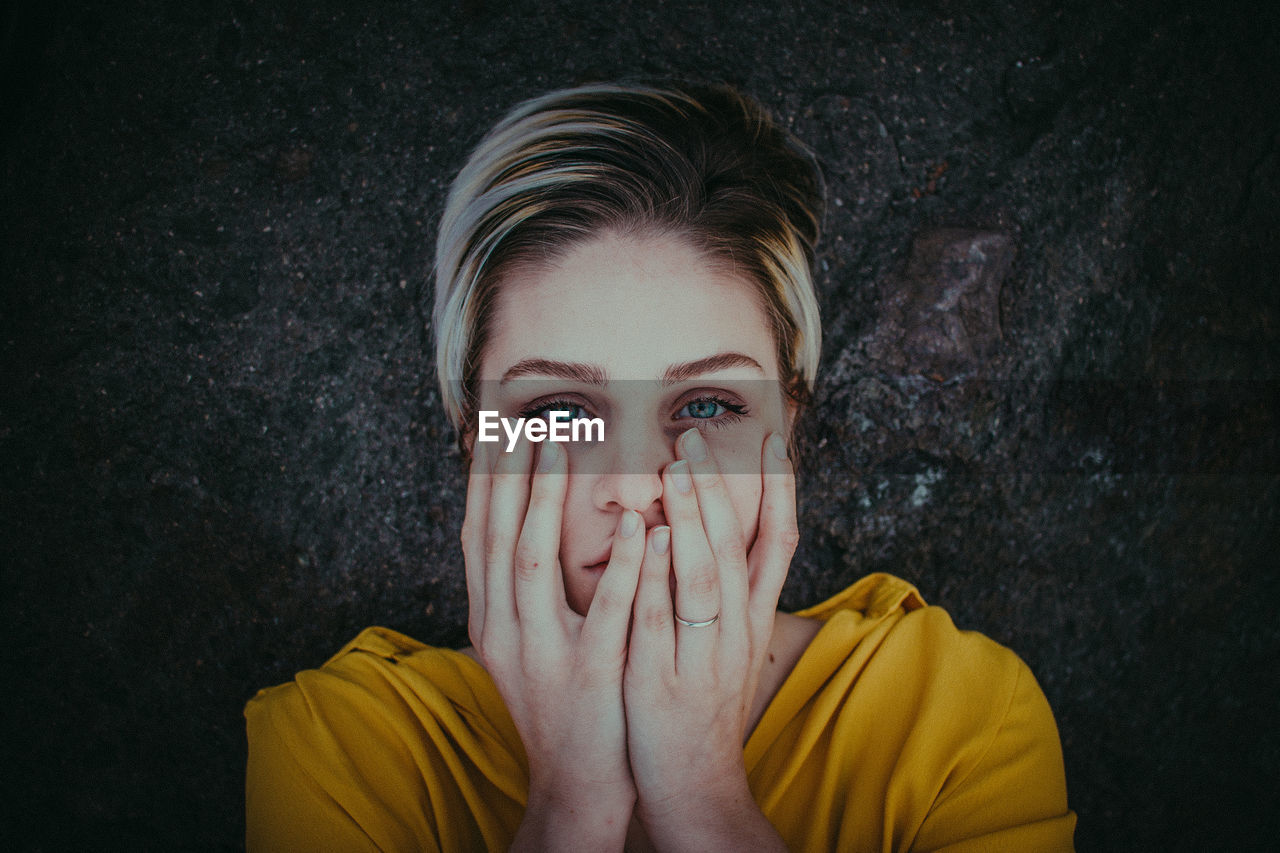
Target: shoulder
x=387, y=684
x=960, y=722
x=881, y=626
x=994, y=744
x=363, y=746
x=957, y=687
x=945, y=660
x=370, y=678
x=378, y=659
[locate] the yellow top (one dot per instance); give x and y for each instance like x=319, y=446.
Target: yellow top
x=895, y=731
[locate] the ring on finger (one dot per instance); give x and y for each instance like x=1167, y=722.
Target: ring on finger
x=705, y=623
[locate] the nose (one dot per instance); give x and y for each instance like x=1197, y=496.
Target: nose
x=632, y=477
x=630, y=491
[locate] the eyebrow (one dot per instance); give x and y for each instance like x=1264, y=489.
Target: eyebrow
x=590, y=374
x=576, y=371
x=720, y=361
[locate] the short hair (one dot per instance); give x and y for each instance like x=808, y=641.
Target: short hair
x=701, y=162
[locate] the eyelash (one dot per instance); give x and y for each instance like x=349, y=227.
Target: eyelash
x=536, y=410
x=734, y=412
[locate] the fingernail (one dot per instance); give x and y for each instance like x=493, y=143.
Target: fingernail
x=630, y=524
x=695, y=449
x=680, y=476
x=778, y=446
x=548, y=456
x=661, y=540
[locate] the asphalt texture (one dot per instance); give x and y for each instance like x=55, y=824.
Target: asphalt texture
x=1048, y=392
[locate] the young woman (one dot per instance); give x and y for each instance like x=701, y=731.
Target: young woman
x=640, y=256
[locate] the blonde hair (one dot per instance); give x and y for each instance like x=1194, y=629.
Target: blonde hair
x=704, y=163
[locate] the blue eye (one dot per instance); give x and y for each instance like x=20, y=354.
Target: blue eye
x=711, y=410
x=563, y=411
x=701, y=409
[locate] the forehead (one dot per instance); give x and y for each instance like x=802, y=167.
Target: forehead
x=633, y=305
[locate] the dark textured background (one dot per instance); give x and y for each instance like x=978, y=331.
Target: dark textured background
x=221, y=453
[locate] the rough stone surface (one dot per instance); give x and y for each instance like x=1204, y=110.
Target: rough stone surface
x=1048, y=393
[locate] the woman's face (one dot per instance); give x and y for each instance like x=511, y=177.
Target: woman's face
x=646, y=334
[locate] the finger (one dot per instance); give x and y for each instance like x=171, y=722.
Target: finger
x=605, y=628
x=539, y=584
x=723, y=531
x=653, y=636
x=777, y=533
x=508, y=503
x=474, y=527
x=697, y=587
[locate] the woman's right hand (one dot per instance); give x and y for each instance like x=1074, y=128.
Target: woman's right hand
x=559, y=673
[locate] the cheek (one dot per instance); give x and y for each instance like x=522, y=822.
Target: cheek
x=744, y=494
x=738, y=456
x=579, y=587
x=577, y=509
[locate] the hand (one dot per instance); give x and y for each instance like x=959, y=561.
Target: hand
x=559, y=673
x=689, y=690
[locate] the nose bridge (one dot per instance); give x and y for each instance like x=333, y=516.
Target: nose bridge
x=632, y=478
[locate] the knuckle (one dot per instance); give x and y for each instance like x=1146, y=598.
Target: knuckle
x=655, y=619
x=527, y=562
x=497, y=546
x=702, y=584
x=789, y=538
x=606, y=601
x=655, y=569
x=731, y=548
x=713, y=484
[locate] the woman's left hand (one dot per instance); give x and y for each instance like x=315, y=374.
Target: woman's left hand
x=689, y=690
